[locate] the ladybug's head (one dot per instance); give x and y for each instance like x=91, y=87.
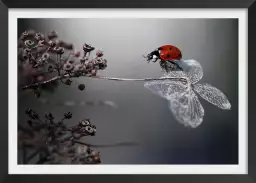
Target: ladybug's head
x=153, y=56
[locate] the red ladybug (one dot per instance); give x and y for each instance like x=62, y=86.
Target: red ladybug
x=169, y=52
x=165, y=53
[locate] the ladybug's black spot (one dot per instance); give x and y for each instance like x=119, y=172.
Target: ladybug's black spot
x=170, y=48
x=168, y=55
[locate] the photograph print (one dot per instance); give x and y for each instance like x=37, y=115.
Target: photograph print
x=127, y=91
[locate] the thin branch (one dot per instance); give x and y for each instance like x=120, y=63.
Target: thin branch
x=107, y=145
x=138, y=79
x=44, y=82
x=102, y=77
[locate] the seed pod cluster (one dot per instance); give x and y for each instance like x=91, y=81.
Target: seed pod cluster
x=55, y=142
x=42, y=57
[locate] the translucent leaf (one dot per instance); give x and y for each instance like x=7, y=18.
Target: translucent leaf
x=165, y=88
x=212, y=95
x=193, y=70
x=186, y=108
x=183, y=102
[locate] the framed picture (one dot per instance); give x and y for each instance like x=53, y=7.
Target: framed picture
x=127, y=88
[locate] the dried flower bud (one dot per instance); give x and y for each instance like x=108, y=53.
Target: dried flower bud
x=70, y=62
x=24, y=57
x=88, y=48
x=50, y=68
x=24, y=35
x=99, y=53
x=102, y=66
x=41, y=43
x=81, y=87
x=45, y=56
x=93, y=126
x=32, y=114
x=59, y=50
x=68, y=115
x=82, y=60
x=52, y=43
x=29, y=43
x=49, y=116
x=68, y=67
x=68, y=82
x=88, y=129
x=39, y=36
x=84, y=122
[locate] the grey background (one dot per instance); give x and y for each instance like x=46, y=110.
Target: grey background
x=142, y=116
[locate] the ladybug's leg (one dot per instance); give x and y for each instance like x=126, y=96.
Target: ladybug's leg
x=164, y=65
x=166, y=68
x=155, y=60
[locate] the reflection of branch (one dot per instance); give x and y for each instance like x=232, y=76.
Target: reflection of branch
x=102, y=77
x=119, y=144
